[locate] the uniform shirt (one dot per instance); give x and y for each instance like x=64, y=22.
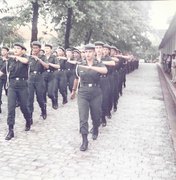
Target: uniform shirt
x=52, y=59
x=110, y=68
x=36, y=65
x=2, y=63
x=88, y=76
x=62, y=64
x=69, y=65
x=16, y=69
x=119, y=65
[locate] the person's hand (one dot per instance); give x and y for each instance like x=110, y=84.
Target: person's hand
x=35, y=57
x=73, y=94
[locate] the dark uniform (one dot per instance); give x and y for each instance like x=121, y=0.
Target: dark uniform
x=18, y=89
x=111, y=82
x=49, y=81
x=36, y=85
x=61, y=81
x=70, y=73
x=89, y=96
x=117, y=81
x=3, y=78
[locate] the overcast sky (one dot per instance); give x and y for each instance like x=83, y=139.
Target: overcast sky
x=161, y=12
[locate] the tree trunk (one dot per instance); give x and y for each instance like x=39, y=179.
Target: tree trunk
x=68, y=26
x=35, y=9
x=88, y=36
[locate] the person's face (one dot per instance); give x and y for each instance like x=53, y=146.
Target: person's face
x=113, y=52
x=48, y=50
x=4, y=52
x=60, y=52
x=18, y=51
x=89, y=54
x=76, y=55
x=99, y=50
x=106, y=51
x=83, y=55
x=69, y=54
x=35, y=50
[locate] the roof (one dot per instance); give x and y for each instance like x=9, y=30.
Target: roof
x=171, y=30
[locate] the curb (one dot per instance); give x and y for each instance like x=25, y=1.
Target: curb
x=169, y=95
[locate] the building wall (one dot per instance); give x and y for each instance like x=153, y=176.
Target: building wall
x=169, y=47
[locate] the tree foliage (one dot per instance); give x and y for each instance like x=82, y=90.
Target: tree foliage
x=121, y=23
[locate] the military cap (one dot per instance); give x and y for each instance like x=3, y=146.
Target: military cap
x=76, y=50
x=4, y=47
x=49, y=45
x=107, y=46
x=37, y=43
x=89, y=46
x=20, y=45
x=61, y=48
x=113, y=47
x=69, y=49
x=98, y=43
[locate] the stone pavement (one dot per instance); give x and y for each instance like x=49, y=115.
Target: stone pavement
x=135, y=145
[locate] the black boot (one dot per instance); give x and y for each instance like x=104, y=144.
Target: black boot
x=103, y=121
x=95, y=133
x=54, y=104
x=44, y=114
x=10, y=134
x=28, y=125
x=115, y=107
x=109, y=115
x=64, y=99
x=84, y=145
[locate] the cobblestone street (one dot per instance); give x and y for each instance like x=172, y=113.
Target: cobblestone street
x=135, y=144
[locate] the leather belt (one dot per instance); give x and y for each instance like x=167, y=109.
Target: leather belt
x=48, y=70
x=103, y=75
x=35, y=72
x=89, y=85
x=19, y=78
x=61, y=69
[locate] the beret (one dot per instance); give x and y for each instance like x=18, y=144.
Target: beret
x=89, y=46
x=98, y=43
x=37, y=43
x=20, y=45
x=4, y=47
x=49, y=45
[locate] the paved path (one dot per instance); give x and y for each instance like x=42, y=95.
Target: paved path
x=135, y=145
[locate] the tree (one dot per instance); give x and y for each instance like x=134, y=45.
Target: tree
x=35, y=15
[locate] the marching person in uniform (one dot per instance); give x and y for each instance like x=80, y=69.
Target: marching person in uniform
x=104, y=84
x=107, y=60
x=3, y=78
x=89, y=93
x=48, y=75
x=37, y=64
x=17, y=72
x=70, y=69
x=60, y=76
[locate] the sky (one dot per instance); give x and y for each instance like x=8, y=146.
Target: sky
x=161, y=12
